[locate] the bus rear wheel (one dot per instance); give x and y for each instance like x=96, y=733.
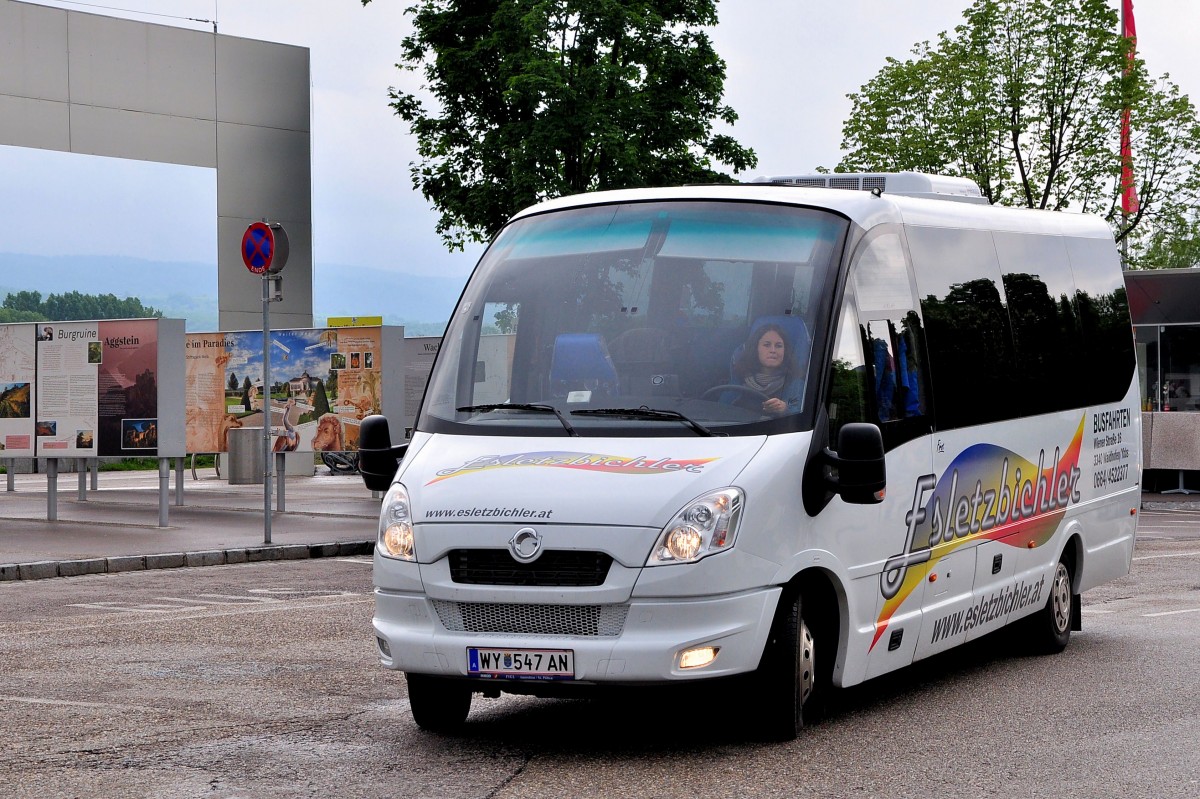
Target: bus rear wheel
x=1050, y=628
x=438, y=704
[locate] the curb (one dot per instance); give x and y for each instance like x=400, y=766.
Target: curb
x=1169, y=505
x=45, y=569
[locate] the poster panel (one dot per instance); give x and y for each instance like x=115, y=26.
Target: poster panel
x=18, y=364
x=323, y=382
x=419, y=354
x=97, y=389
x=126, y=360
x=67, y=401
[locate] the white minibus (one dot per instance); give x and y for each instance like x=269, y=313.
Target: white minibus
x=776, y=437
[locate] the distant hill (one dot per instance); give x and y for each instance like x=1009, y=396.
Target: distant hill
x=422, y=303
x=179, y=289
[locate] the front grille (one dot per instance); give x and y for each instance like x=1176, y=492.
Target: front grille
x=523, y=619
x=560, y=567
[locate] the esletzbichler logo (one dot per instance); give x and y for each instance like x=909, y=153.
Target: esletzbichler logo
x=584, y=461
x=987, y=492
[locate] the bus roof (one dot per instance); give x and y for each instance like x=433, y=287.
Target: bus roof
x=865, y=208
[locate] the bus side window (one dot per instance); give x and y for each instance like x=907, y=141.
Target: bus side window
x=892, y=337
x=848, y=375
x=883, y=369
x=896, y=369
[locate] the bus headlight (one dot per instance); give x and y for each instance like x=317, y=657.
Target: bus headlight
x=704, y=526
x=395, y=526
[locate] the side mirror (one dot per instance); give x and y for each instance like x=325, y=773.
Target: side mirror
x=377, y=458
x=857, y=471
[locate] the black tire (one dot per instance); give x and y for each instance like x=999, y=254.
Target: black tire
x=1050, y=628
x=790, y=685
x=438, y=704
x=340, y=464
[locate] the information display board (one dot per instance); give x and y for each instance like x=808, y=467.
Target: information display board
x=418, y=363
x=324, y=382
x=18, y=368
x=109, y=388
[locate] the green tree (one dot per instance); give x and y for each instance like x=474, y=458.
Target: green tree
x=1174, y=244
x=74, y=305
x=233, y=381
x=7, y=316
x=506, y=318
x=543, y=98
x=27, y=301
x=1025, y=99
x=320, y=401
x=22, y=306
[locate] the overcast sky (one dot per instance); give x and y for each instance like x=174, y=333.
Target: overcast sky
x=790, y=64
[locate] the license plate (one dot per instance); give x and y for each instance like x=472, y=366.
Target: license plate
x=521, y=664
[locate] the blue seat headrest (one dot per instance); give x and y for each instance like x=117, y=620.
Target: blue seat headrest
x=581, y=362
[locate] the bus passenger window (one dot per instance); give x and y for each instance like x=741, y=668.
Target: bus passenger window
x=896, y=369
x=883, y=367
x=909, y=368
x=848, y=375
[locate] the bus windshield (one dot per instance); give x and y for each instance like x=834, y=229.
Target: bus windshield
x=659, y=318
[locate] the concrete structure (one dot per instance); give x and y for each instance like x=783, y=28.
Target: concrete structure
x=1165, y=306
x=96, y=85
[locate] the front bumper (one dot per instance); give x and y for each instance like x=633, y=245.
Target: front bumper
x=644, y=649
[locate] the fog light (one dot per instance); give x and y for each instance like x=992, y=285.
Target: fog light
x=699, y=657
x=384, y=647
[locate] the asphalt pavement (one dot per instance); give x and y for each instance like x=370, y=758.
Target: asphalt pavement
x=114, y=522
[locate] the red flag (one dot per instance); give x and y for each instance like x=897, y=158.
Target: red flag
x=1129, y=198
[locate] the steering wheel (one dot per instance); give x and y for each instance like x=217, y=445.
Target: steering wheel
x=745, y=391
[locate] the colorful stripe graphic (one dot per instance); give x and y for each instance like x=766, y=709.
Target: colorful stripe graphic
x=583, y=461
x=987, y=493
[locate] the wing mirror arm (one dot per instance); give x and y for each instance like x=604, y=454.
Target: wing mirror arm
x=378, y=458
x=857, y=470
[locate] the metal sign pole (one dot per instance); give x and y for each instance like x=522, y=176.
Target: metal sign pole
x=265, y=252
x=266, y=403
x=51, y=489
x=164, y=492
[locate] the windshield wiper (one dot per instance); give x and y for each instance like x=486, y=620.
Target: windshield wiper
x=519, y=406
x=647, y=413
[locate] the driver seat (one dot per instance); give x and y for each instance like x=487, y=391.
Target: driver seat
x=798, y=340
x=581, y=363
x=794, y=330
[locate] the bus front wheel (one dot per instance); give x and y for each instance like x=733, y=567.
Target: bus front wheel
x=438, y=704
x=788, y=684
